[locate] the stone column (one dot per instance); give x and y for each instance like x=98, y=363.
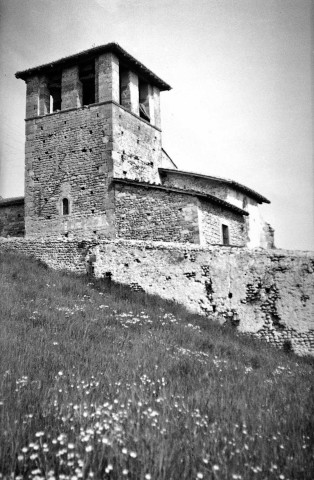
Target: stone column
x=151, y=104
x=157, y=118
x=71, y=88
x=32, y=97
x=108, y=78
x=44, y=96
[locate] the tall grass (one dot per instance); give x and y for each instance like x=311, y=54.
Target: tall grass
x=101, y=382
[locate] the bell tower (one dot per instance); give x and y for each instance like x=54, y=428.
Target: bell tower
x=90, y=117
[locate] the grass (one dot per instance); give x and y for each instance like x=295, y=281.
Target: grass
x=101, y=382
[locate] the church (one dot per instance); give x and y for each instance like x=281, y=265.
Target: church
x=95, y=167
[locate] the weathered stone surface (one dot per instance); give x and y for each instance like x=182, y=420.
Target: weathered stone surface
x=259, y=233
x=12, y=217
x=267, y=293
x=150, y=213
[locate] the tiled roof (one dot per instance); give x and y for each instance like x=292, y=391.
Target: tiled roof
x=6, y=202
x=126, y=58
x=232, y=183
x=205, y=196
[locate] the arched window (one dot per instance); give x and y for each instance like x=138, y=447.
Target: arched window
x=65, y=206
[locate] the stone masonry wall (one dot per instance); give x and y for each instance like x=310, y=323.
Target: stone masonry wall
x=12, y=220
x=257, y=232
x=149, y=214
x=267, y=293
x=68, y=155
x=202, y=185
x=137, y=150
x=212, y=217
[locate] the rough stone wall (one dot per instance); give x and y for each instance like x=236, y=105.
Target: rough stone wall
x=211, y=220
x=202, y=185
x=267, y=293
x=12, y=220
x=137, y=147
x=149, y=214
x=68, y=155
x=258, y=232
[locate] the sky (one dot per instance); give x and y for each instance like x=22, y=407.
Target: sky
x=241, y=106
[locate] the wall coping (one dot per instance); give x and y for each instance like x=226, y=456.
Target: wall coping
x=154, y=245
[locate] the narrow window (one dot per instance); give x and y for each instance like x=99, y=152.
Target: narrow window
x=143, y=88
x=225, y=234
x=65, y=206
x=87, y=78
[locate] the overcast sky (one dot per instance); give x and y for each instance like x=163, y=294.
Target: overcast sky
x=241, y=102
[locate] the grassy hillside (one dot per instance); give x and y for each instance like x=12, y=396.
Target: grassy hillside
x=99, y=382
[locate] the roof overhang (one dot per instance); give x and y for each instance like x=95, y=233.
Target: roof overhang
x=8, y=202
x=237, y=186
x=203, y=196
x=124, y=56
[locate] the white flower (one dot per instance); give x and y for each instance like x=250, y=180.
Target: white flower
x=133, y=454
x=108, y=468
x=199, y=475
x=89, y=448
x=215, y=468
x=125, y=471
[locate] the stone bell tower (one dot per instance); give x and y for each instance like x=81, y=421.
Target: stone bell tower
x=90, y=117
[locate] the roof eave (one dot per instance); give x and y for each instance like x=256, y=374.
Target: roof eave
x=6, y=202
x=258, y=197
x=109, y=47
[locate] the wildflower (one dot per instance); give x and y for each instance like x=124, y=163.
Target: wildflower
x=60, y=373
x=124, y=450
x=125, y=471
x=20, y=458
x=89, y=448
x=215, y=468
x=199, y=475
x=70, y=445
x=39, y=434
x=133, y=454
x=109, y=468
x=33, y=456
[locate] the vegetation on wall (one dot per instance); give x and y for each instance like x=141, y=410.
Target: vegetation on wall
x=101, y=382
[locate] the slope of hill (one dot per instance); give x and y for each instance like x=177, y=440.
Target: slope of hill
x=101, y=382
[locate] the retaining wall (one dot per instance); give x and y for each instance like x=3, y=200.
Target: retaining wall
x=269, y=293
